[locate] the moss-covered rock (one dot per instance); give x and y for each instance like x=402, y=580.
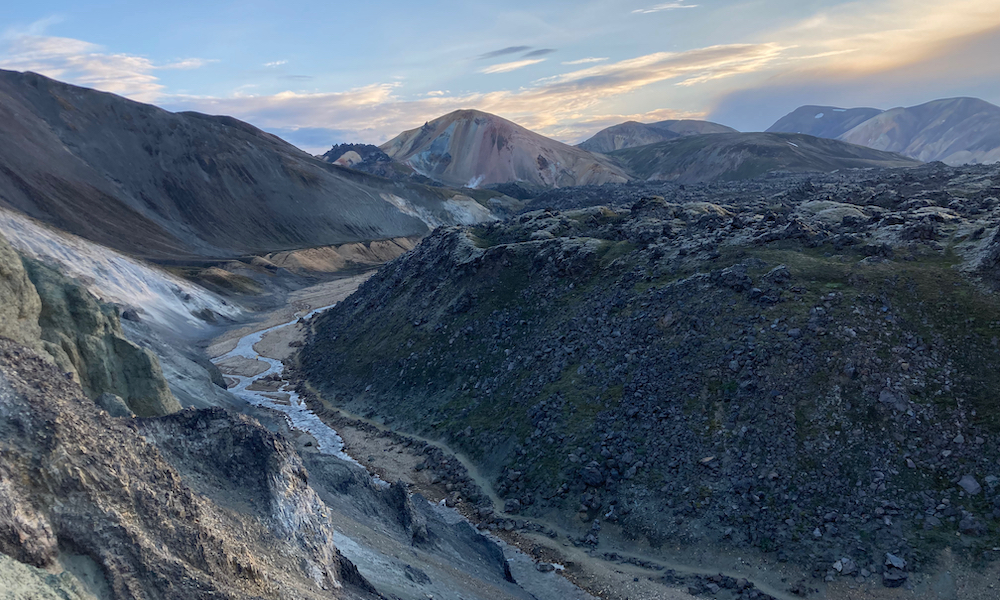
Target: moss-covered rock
x=85, y=337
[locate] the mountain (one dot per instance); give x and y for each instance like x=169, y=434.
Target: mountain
x=632, y=134
x=472, y=148
x=670, y=367
x=954, y=131
x=163, y=185
x=823, y=121
x=730, y=156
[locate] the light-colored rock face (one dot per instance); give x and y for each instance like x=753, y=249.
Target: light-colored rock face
x=633, y=134
x=85, y=338
x=49, y=313
x=472, y=148
x=19, y=302
x=954, y=131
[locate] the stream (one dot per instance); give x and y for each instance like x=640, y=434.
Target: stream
x=301, y=418
x=298, y=415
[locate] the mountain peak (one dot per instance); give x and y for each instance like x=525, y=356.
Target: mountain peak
x=472, y=148
x=631, y=134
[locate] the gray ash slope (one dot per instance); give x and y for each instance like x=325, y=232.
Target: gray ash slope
x=733, y=156
x=805, y=367
x=631, y=134
x=163, y=185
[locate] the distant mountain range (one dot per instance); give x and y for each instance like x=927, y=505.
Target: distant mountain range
x=731, y=156
x=955, y=131
x=164, y=185
x=472, y=148
x=632, y=134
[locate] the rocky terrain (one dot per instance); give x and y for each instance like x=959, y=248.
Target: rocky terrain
x=730, y=156
x=167, y=185
x=955, y=131
x=471, y=148
x=59, y=318
x=799, y=366
x=84, y=492
x=631, y=134
x=371, y=159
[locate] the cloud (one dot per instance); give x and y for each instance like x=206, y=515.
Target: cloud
x=186, y=64
x=662, y=7
x=87, y=64
x=585, y=61
x=504, y=52
x=562, y=106
x=275, y=63
x=511, y=66
x=539, y=52
x=692, y=67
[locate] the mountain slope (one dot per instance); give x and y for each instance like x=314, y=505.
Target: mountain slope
x=954, y=131
x=473, y=148
x=632, y=134
x=823, y=121
x=160, y=185
x=731, y=156
x=701, y=375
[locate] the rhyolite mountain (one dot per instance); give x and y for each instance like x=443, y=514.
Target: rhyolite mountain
x=632, y=133
x=731, y=156
x=164, y=185
x=472, y=148
x=823, y=121
x=803, y=364
x=954, y=131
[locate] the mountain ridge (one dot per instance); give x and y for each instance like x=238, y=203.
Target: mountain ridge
x=632, y=134
x=731, y=156
x=955, y=131
x=159, y=185
x=473, y=148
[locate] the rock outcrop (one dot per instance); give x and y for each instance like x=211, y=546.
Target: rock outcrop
x=45, y=311
x=85, y=338
x=74, y=479
x=19, y=302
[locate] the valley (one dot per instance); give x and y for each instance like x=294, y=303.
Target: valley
x=618, y=355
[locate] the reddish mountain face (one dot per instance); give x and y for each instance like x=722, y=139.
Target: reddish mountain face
x=472, y=148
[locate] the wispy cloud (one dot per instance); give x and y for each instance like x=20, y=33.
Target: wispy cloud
x=511, y=66
x=86, y=64
x=275, y=63
x=186, y=64
x=662, y=7
x=539, y=52
x=585, y=61
x=504, y=52
x=562, y=106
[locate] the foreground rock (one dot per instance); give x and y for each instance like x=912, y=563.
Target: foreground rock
x=79, y=483
x=805, y=368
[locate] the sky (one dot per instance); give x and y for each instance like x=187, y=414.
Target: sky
x=324, y=73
